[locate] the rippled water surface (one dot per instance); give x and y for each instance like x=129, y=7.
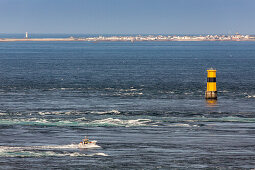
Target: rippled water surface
x=143, y=102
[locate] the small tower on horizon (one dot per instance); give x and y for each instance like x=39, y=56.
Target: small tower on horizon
x=26, y=35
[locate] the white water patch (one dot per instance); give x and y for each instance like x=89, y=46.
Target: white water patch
x=106, y=112
x=72, y=146
x=62, y=88
x=189, y=93
x=19, y=148
x=251, y=96
x=99, y=154
x=76, y=112
x=76, y=122
x=46, y=113
x=169, y=92
x=47, y=154
x=128, y=94
x=66, y=88
x=58, y=113
x=130, y=90
x=109, y=88
x=36, y=121
x=29, y=121
x=223, y=91
x=36, y=151
x=182, y=125
x=2, y=114
x=81, y=119
x=118, y=122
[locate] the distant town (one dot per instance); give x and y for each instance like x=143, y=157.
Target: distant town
x=235, y=37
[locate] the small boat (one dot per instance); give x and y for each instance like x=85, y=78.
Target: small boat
x=86, y=143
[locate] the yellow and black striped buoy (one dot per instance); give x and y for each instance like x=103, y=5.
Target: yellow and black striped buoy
x=211, y=91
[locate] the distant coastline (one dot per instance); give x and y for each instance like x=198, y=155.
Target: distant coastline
x=236, y=37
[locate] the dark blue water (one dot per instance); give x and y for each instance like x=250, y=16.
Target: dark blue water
x=143, y=102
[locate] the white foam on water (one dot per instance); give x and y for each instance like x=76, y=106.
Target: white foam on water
x=133, y=93
x=35, y=151
x=30, y=121
x=77, y=122
x=18, y=148
x=182, y=125
x=99, y=154
x=57, y=113
x=106, y=112
x=251, y=96
x=71, y=146
x=47, y=154
x=44, y=113
x=129, y=94
x=118, y=122
x=51, y=89
x=2, y=114
x=47, y=113
x=169, y=92
x=129, y=90
x=81, y=119
x=223, y=91
x=108, y=88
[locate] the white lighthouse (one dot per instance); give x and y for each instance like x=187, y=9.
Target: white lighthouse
x=26, y=35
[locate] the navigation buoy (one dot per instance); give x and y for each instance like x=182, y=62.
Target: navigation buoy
x=211, y=91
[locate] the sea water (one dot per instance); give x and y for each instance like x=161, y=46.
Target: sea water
x=143, y=102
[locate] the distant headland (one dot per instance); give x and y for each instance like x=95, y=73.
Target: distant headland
x=235, y=37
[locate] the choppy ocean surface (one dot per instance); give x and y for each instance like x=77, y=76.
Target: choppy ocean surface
x=143, y=102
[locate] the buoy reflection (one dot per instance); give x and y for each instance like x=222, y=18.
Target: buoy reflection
x=211, y=102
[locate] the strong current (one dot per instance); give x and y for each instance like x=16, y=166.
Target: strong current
x=143, y=102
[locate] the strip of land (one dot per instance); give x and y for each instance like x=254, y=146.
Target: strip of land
x=236, y=37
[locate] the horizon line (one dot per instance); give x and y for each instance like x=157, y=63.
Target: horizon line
x=138, y=33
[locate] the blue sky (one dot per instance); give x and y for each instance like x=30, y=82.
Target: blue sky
x=128, y=16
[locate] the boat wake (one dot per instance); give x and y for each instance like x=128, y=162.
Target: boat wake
x=50, y=150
